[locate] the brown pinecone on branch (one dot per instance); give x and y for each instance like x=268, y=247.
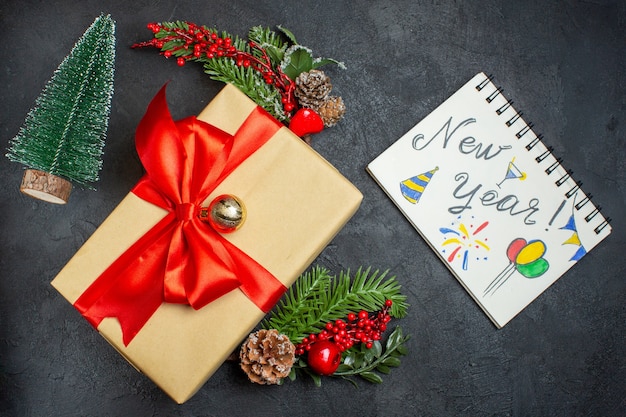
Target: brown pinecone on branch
x=267, y=356
x=332, y=110
x=312, y=88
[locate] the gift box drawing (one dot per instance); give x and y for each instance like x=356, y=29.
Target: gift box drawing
x=170, y=292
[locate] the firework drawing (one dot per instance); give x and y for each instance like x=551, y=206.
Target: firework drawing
x=461, y=239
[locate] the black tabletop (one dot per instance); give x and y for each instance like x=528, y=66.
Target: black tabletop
x=564, y=64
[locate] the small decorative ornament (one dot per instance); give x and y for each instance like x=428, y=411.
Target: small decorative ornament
x=62, y=139
x=305, y=122
x=336, y=324
x=271, y=67
x=225, y=214
x=324, y=357
x=267, y=356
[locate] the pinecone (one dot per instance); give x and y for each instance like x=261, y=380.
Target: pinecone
x=267, y=356
x=312, y=88
x=332, y=110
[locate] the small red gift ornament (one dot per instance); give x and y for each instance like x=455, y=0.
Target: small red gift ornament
x=306, y=122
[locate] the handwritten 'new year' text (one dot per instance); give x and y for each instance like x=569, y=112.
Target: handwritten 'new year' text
x=467, y=144
x=508, y=203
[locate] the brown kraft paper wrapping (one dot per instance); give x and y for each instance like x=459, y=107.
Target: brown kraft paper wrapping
x=296, y=203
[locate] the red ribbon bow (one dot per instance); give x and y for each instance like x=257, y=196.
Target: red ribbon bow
x=182, y=259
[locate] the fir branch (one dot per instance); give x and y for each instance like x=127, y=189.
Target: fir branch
x=299, y=302
x=362, y=362
x=269, y=41
x=266, y=36
x=249, y=81
x=309, y=305
x=274, y=63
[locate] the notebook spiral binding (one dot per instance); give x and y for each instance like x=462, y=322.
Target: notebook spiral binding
x=540, y=158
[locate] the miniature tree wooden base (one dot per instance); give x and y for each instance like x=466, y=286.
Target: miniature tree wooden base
x=46, y=186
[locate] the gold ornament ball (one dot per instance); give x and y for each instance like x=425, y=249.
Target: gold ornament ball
x=225, y=214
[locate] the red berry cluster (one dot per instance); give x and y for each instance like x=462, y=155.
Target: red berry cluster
x=201, y=43
x=357, y=328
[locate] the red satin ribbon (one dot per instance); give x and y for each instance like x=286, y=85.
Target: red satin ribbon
x=182, y=259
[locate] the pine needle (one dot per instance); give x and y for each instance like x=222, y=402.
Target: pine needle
x=317, y=297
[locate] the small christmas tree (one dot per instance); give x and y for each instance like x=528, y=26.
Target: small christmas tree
x=62, y=139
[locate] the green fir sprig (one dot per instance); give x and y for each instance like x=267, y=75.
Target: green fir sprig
x=362, y=362
x=317, y=297
x=264, y=66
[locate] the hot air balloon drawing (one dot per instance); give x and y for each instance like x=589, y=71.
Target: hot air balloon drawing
x=412, y=188
x=525, y=257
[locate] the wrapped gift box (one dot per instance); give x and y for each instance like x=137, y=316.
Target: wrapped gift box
x=296, y=203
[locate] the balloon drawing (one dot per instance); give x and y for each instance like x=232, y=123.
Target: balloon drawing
x=525, y=257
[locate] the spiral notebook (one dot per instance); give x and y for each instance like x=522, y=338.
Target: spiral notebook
x=490, y=198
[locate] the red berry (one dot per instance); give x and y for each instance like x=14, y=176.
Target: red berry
x=324, y=357
x=351, y=317
x=363, y=314
x=388, y=303
x=180, y=61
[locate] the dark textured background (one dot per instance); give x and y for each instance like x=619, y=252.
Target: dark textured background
x=564, y=64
